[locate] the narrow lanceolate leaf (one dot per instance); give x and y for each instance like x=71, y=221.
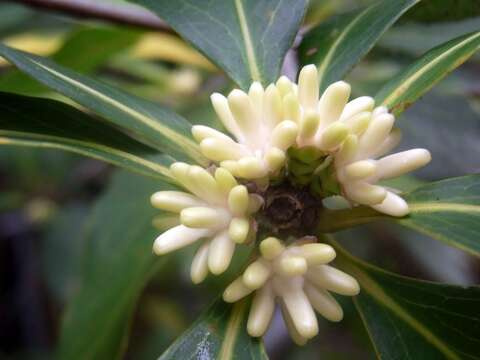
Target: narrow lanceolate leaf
x=447, y=210
x=413, y=319
x=220, y=333
x=36, y=122
x=99, y=43
x=447, y=10
x=116, y=263
x=148, y=122
x=337, y=45
x=405, y=88
x=248, y=39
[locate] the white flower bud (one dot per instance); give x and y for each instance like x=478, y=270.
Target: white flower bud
x=297, y=278
x=356, y=165
x=218, y=211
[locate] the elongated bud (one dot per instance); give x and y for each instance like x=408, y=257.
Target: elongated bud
x=308, y=86
x=271, y=247
x=333, y=102
x=256, y=275
x=309, y=124
x=333, y=136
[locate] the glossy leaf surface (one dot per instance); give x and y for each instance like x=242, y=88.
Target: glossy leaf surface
x=447, y=210
x=248, y=39
x=147, y=121
x=117, y=262
x=406, y=87
x=408, y=318
x=44, y=123
x=336, y=45
x=220, y=333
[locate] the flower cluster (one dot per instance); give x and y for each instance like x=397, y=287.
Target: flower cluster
x=358, y=171
x=217, y=209
x=300, y=279
x=285, y=130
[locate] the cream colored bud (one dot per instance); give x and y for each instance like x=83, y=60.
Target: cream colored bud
x=361, y=169
x=225, y=180
x=329, y=278
x=256, y=95
x=316, y=254
x=375, y=134
x=256, y=274
x=273, y=106
x=271, y=247
x=365, y=193
x=238, y=200
x=261, y=312
x=275, y=158
x=393, y=205
x=251, y=168
x=348, y=150
x=219, y=150
x=235, y=291
x=243, y=112
x=176, y=238
x=174, y=201
x=284, y=86
x=403, y=162
x=199, y=267
x=220, y=253
x=291, y=108
x=203, y=217
x=308, y=86
x=309, y=124
x=333, y=102
x=238, y=229
x=292, y=265
x=220, y=105
x=284, y=135
x=324, y=303
x=333, y=136
x=359, y=122
x=201, y=132
x=231, y=166
x=357, y=106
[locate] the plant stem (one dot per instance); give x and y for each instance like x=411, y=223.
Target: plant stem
x=121, y=14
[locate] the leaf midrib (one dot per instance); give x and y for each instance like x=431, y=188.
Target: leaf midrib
x=232, y=328
x=376, y=291
x=71, y=144
x=400, y=90
x=443, y=206
x=327, y=59
x=247, y=40
x=169, y=133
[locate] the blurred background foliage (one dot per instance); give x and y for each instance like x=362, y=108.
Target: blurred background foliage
x=47, y=234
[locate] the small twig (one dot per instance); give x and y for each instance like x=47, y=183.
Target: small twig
x=121, y=14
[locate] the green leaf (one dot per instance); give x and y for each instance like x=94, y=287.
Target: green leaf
x=408, y=318
x=44, y=123
x=148, y=122
x=448, y=10
x=248, y=39
x=440, y=114
x=335, y=46
x=117, y=262
x=220, y=333
x=405, y=88
x=447, y=210
x=99, y=43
